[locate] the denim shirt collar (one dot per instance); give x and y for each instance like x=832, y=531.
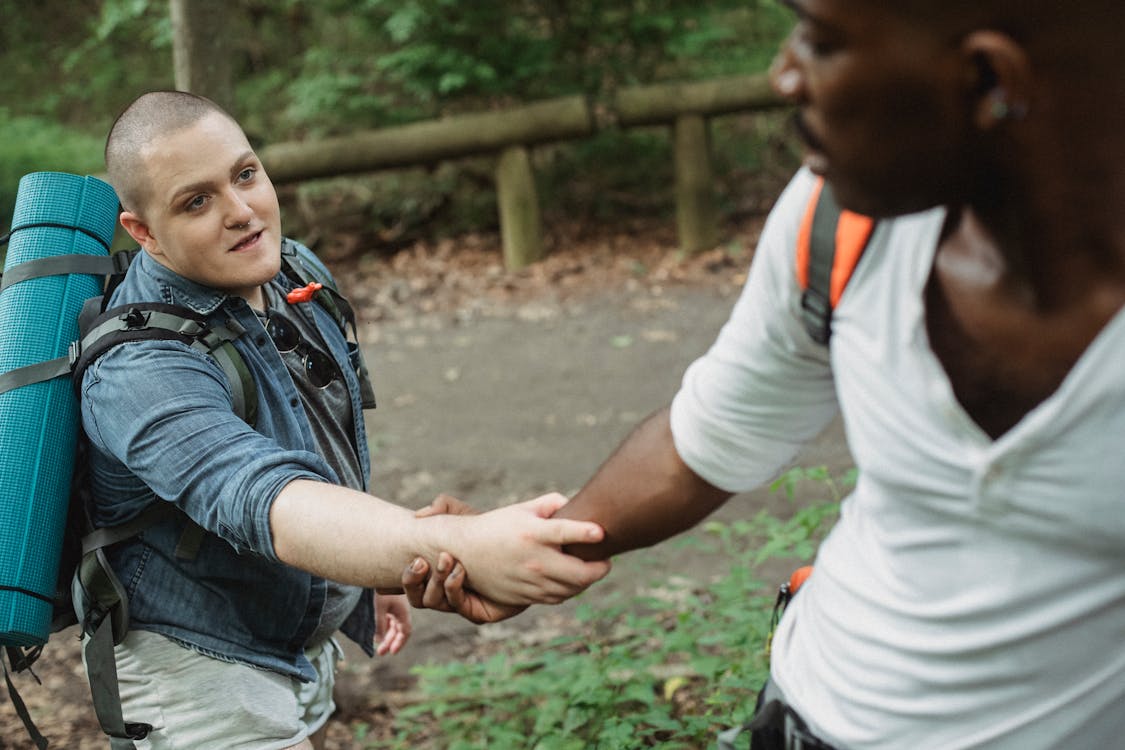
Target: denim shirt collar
x=179, y=290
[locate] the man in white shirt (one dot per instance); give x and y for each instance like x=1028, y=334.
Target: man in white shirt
x=972, y=594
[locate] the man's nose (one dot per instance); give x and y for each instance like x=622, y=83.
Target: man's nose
x=239, y=212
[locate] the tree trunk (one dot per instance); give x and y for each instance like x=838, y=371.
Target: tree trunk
x=201, y=56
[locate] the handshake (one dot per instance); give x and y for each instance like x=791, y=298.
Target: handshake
x=549, y=575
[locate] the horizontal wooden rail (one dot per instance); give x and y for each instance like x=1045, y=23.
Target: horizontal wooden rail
x=459, y=136
x=429, y=141
x=511, y=132
x=664, y=103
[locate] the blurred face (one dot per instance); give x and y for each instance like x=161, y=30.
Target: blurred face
x=211, y=214
x=882, y=105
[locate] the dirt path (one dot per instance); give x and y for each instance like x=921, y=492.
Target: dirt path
x=498, y=387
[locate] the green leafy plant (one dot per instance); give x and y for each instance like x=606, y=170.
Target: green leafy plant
x=667, y=669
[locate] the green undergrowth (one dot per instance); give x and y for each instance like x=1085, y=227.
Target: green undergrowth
x=666, y=669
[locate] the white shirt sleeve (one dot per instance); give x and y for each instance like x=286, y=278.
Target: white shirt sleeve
x=764, y=388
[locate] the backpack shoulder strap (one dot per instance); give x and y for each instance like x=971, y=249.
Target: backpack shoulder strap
x=102, y=331
x=830, y=243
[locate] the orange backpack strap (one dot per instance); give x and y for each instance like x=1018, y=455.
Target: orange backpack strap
x=830, y=243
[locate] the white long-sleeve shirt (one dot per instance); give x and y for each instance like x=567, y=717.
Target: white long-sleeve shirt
x=972, y=594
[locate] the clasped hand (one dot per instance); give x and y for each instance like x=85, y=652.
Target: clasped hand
x=549, y=577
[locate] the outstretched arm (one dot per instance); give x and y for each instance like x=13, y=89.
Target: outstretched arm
x=642, y=494
x=512, y=554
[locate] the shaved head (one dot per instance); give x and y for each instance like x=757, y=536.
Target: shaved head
x=150, y=116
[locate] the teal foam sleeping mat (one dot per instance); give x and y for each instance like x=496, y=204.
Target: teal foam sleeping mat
x=55, y=214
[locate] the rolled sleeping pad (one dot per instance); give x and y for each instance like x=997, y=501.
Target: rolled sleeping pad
x=55, y=214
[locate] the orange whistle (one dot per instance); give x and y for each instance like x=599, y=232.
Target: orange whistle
x=304, y=293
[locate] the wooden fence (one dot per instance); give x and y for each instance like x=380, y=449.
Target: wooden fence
x=511, y=133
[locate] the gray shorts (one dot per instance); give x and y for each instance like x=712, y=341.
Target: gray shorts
x=195, y=701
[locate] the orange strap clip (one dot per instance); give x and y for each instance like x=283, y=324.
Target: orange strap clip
x=798, y=578
x=304, y=293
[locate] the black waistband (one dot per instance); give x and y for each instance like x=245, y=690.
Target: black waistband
x=776, y=726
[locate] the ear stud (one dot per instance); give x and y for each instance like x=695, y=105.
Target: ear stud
x=1001, y=108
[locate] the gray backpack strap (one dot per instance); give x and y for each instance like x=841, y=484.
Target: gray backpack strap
x=37, y=372
x=102, y=606
x=17, y=657
x=815, y=302
x=157, y=321
x=218, y=341
x=63, y=265
x=101, y=669
x=113, y=267
x=829, y=247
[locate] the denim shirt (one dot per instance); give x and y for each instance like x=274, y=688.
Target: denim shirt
x=161, y=424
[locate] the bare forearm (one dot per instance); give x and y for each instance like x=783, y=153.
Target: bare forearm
x=349, y=536
x=512, y=554
x=643, y=494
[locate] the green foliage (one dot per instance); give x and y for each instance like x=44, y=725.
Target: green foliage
x=80, y=63
x=338, y=64
x=29, y=144
x=395, y=60
x=614, y=173
x=667, y=670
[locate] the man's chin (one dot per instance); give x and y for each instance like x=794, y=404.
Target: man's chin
x=877, y=203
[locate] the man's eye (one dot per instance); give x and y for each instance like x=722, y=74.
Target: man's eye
x=818, y=44
x=247, y=174
x=197, y=203
x=823, y=49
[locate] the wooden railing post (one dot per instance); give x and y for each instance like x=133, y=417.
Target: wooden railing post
x=521, y=231
x=696, y=214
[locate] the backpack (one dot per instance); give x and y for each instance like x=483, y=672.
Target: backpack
x=86, y=592
x=830, y=244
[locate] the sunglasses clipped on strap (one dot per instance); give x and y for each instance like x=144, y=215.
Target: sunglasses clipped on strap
x=319, y=367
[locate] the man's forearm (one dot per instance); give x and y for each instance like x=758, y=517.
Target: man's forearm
x=642, y=494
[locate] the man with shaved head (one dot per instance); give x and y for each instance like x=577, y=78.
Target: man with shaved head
x=972, y=594
x=270, y=541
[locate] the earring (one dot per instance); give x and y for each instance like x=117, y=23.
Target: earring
x=1002, y=109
